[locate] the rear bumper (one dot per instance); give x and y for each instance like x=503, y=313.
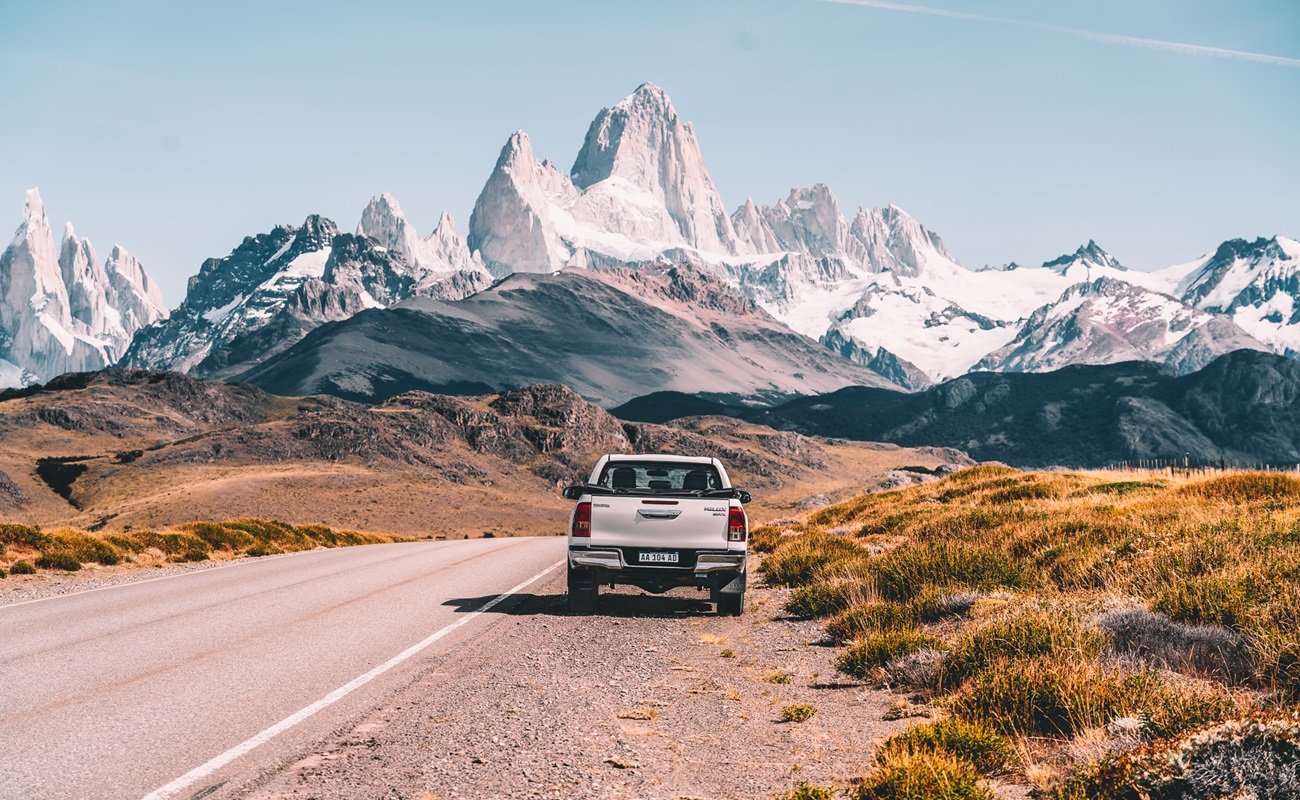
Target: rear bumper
x=615, y=558
x=714, y=569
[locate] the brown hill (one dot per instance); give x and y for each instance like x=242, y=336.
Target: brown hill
x=128, y=449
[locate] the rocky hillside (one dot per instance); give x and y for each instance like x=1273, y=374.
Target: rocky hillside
x=1242, y=408
x=131, y=448
x=608, y=334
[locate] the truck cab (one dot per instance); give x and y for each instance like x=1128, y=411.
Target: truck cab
x=658, y=522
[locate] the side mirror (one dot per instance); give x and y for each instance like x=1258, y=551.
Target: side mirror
x=743, y=496
x=573, y=492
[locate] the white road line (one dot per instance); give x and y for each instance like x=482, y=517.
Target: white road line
x=202, y=771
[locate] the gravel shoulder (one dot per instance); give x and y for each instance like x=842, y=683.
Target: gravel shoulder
x=651, y=697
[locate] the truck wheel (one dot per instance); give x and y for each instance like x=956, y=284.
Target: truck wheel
x=731, y=605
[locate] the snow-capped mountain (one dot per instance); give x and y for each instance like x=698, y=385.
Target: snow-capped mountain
x=637, y=190
x=1109, y=321
x=276, y=287
x=1256, y=284
x=64, y=310
x=873, y=284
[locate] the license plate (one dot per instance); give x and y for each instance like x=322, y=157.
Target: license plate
x=658, y=557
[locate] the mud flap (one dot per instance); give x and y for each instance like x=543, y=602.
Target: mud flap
x=737, y=585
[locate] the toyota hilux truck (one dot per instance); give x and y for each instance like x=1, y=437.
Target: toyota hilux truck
x=658, y=522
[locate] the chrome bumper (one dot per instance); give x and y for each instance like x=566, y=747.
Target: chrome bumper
x=613, y=559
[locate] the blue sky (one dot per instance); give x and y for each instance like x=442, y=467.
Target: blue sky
x=178, y=128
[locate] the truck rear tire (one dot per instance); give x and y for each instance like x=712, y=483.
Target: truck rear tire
x=731, y=605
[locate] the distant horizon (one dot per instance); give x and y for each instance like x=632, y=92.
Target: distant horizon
x=177, y=132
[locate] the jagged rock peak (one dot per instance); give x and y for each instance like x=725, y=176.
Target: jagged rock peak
x=1091, y=254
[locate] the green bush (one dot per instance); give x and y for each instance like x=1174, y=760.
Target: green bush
x=904, y=571
x=58, y=559
x=21, y=536
x=1027, y=633
x=797, y=713
x=799, y=559
x=808, y=791
x=921, y=775
x=875, y=650
x=868, y=618
x=824, y=598
x=24, y=568
x=989, y=752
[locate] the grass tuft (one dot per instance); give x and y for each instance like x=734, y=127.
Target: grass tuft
x=921, y=775
x=797, y=713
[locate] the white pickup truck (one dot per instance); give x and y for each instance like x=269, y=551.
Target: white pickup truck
x=658, y=522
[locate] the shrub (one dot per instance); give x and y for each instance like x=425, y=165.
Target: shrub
x=1060, y=697
x=922, y=669
x=176, y=545
x=934, y=603
x=875, y=650
x=1207, y=650
x=58, y=560
x=824, y=598
x=24, y=568
x=902, y=572
x=797, y=713
x=796, y=561
x=1026, y=633
x=808, y=791
x=991, y=753
x=921, y=775
x=765, y=538
x=66, y=545
x=1207, y=600
x=779, y=677
x=1257, y=757
x=1120, y=488
x=26, y=536
x=219, y=536
x=867, y=618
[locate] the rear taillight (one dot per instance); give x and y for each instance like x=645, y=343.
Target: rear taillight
x=581, y=520
x=737, y=525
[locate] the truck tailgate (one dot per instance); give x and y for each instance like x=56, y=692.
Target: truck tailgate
x=650, y=522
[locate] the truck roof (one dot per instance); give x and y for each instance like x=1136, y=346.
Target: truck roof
x=662, y=457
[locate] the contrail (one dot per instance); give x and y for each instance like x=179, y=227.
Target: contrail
x=1109, y=38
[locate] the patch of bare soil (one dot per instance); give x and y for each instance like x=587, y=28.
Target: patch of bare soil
x=650, y=697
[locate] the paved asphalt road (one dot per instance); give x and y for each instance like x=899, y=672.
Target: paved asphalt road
x=198, y=683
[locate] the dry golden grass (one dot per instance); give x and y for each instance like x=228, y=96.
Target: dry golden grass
x=1047, y=606
x=69, y=549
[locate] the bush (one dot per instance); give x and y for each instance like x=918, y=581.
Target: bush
x=798, y=713
x=903, y=572
x=1023, y=634
x=1207, y=650
x=869, y=618
x=176, y=545
x=878, y=649
x=989, y=752
x=797, y=561
x=779, y=677
x=824, y=598
x=21, y=536
x=1256, y=757
x=66, y=544
x=922, y=669
x=1060, y=697
x=807, y=791
x=25, y=568
x=765, y=538
x=921, y=775
x=58, y=560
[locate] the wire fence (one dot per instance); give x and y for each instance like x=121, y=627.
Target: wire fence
x=1193, y=466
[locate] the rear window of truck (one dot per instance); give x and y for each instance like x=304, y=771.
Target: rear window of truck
x=660, y=477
